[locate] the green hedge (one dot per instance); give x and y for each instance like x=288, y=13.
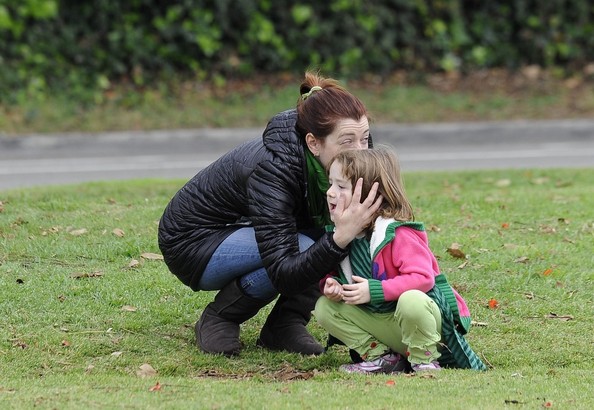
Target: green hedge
x=83, y=46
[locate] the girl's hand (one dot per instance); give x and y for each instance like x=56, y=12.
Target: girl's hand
x=333, y=290
x=357, y=216
x=357, y=292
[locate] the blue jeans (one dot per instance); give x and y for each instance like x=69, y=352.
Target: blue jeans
x=238, y=257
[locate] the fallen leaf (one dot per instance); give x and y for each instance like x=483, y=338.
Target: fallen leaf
x=513, y=402
x=463, y=265
x=19, y=343
x=548, y=229
x=540, y=181
x=493, y=304
x=505, y=225
x=522, y=259
x=434, y=228
x=78, y=232
x=547, y=404
x=133, y=263
x=128, y=308
x=547, y=272
x=456, y=252
x=390, y=383
x=146, y=370
x=289, y=373
x=89, y=368
x=80, y=275
x=65, y=343
x=563, y=184
x=118, y=232
x=53, y=229
x=564, y=318
x=117, y=354
x=502, y=183
x=152, y=256
x=156, y=387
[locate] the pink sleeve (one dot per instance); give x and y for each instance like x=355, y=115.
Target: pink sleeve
x=413, y=265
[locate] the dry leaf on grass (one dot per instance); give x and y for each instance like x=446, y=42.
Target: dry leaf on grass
x=146, y=370
x=118, y=232
x=151, y=256
x=80, y=275
x=128, y=308
x=78, y=232
x=455, y=251
x=502, y=183
x=289, y=373
x=564, y=318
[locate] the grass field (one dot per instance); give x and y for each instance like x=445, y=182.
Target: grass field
x=91, y=318
x=529, y=93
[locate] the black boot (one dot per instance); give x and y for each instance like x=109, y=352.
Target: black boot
x=217, y=331
x=285, y=326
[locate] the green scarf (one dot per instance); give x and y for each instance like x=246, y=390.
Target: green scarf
x=317, y=185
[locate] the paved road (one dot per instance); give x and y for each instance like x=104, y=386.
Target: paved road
x=59, y=159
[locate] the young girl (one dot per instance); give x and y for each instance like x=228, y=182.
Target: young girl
x=388, y=299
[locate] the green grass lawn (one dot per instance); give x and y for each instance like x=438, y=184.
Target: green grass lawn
x=402, y=98
x=91, y=319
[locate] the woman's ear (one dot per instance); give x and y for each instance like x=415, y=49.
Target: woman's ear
x=313, y=144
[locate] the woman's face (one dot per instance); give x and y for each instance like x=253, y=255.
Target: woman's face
x=340, y=186
x=348, y=134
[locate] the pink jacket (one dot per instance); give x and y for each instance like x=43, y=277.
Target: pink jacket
x=402, y=260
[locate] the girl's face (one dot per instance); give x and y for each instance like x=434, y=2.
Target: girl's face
x=348, y=134
x=340, y=186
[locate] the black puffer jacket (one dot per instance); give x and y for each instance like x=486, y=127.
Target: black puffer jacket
x=261, y=183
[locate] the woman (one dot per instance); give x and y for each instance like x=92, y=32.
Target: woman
x=251, y=224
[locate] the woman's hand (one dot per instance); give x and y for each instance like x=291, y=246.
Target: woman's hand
x=357, y=216
x=333, y=290
x=357, y=292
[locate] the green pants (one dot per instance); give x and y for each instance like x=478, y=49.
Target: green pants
x=413, y=329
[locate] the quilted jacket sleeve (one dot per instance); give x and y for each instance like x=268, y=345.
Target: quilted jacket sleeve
x=273, y=201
